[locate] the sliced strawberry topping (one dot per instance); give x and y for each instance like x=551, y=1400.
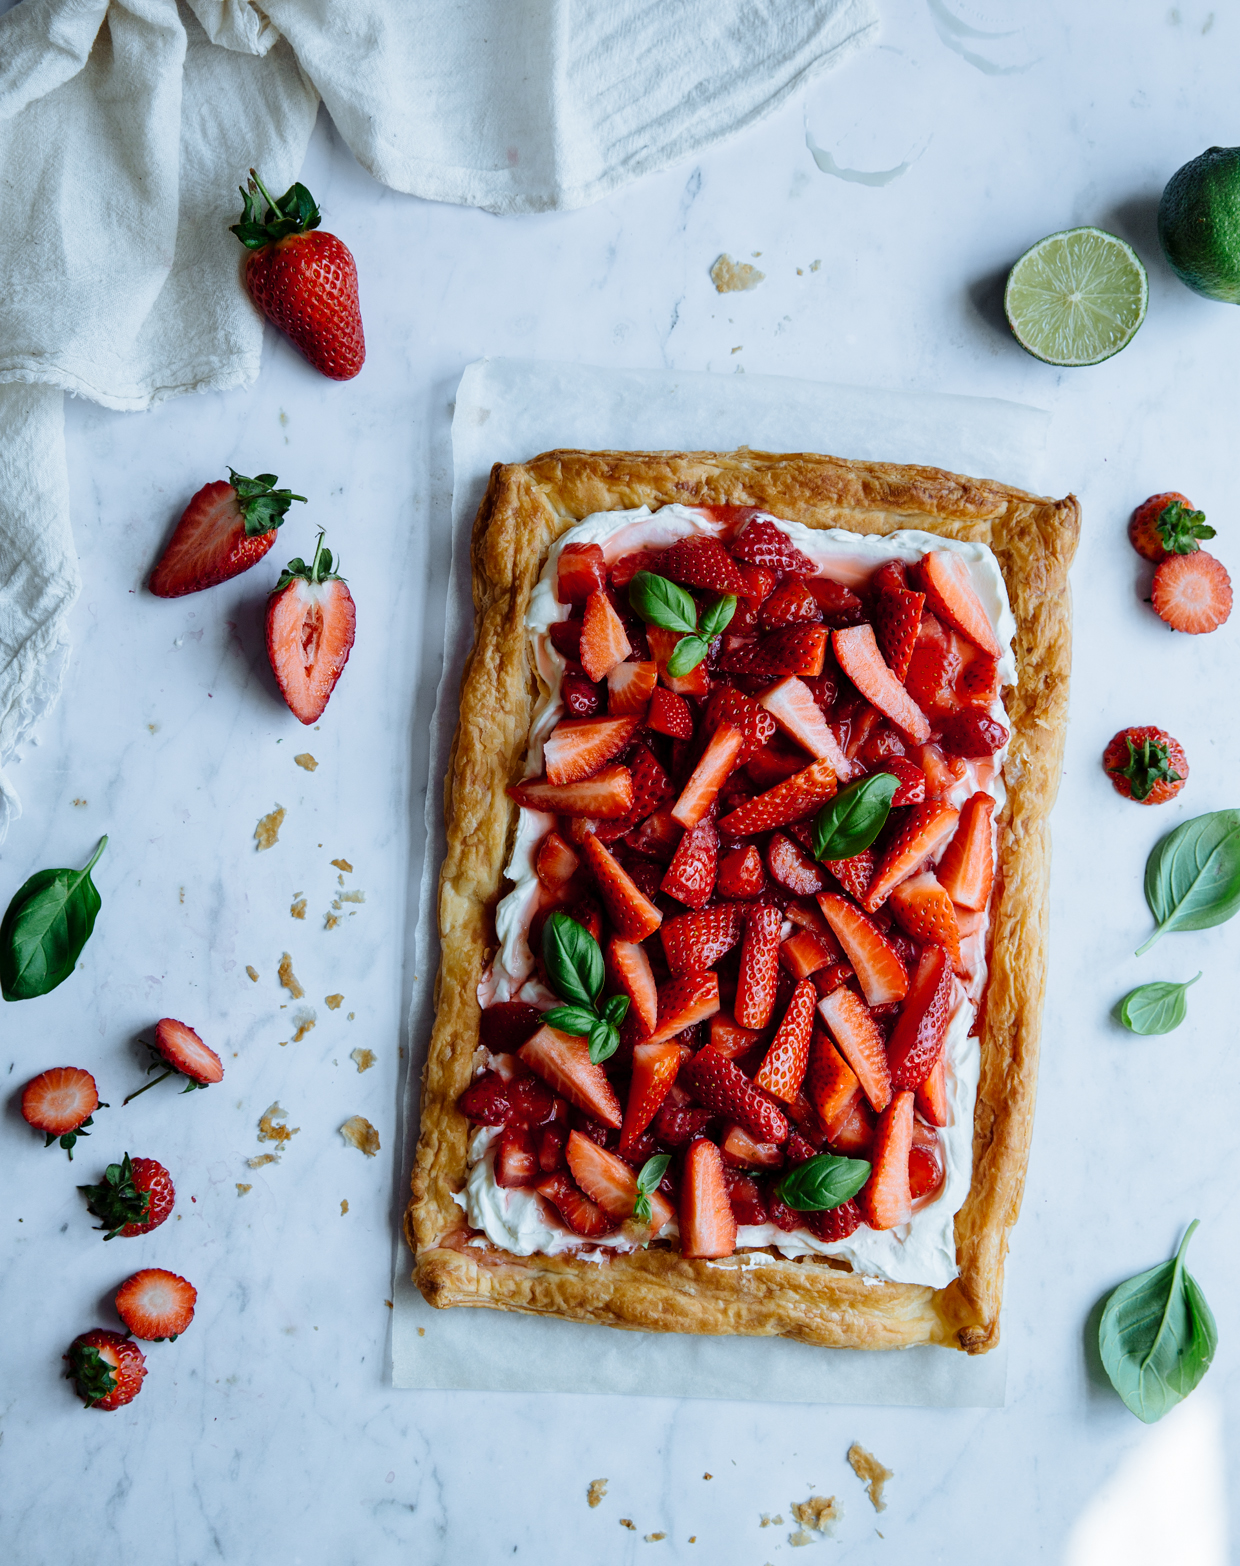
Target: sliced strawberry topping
x=854, y=874
x=654, y=1070
x=676, y=1125
x=627, y=567
x=516, y=1161
x=632, y=914
x=831, y=1083
x=555, y=862
x=733, y=707
x=886, y=1199
x=839, y=604
x=740, y=873
x=683, y=1002
x=709, y=776
x=857, y=654
x=582, y=1216
x=798, y=650
x=707, y=1224
x=967, y=868
x=729, y=1038
x=565, y=637
x=563, y=1061
x=931, y=1096
x=582, y=698
x=874, y=960
x=764, y=543
x=934, y=671
x=580, y=571
x=629, y=972
x=690, y=877
x=609, y=1181
x=919, y=837
x=720, y=1085
x=912, y=780
x=972, y=732
x=758, y=582
x=694, y=942
x=792, y=867
x=652, y=788
x=941, y=772
x=805, y=953
x=860, y=1041
x=662, y=646
x=792, y=603
x=699, y=561
x=925, y=910
x=897, y=619
x=853, y=1135
x=978, y=684
x=740, y=1149
x=836, y=1223
x=657, y=836
x=603, y=640
x=759, y=971
x=784, y=1067
x=792, y=705
x=944, y=578
x=793, y=799
x=630, y=687
x=669, y=714
x=606, y=796
x=925, y=1167
x=917, y=1039
x=578, y=747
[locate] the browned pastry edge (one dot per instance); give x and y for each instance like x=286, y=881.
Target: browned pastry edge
x=527, y=506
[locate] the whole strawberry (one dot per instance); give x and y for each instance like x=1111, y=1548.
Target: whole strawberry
x=303, y=280
x=1146, y=764
x=107, y=1368
x=225, y=529
x=134, y=1197
x=60, y=1103
x=1167, y=525
x=310, y=624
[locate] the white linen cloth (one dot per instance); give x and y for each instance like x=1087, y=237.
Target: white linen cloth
x=126, y=127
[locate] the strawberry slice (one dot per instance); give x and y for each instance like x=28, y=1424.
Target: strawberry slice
x=609, y=1181
x=656, y=837
x=1192, y=593
x=720, y=1085
x=662, y=644
x=185, y=1052
x=874, y=959
x=944, y=578
x=798, y=650
x=694, y=942
x=935, y=670
x=783, y=1069
x=555, y=863
x=669, y=713
x=516, y=1159
x=759, y=582
x=919, y=837
x=837, y=1223
x=729, y=1038
x=603, y=640
x=978, y=684
x=654, y=1070
x=581, y=697
x=728, y=705
x=831, y=1082
x=967, y=868
x=707, y=1223
x=631, y=912
x=59, y=1103
x=311, y=621
x=764, y=543
x=740, y=873
x=925, y=1165
x=792, y=867
x=860, y=1041
x=792, y=705
x=931, y=1096
x=676, y=1125
x=897, y=619
x=580, y=571
x=506, y=1025
x=606, y=796
x=854, y=874
x=699, y=561
x=565, y=637
x=886, y=1199
x=740, y=1150
x=629, y=972
x=925, y=910
x=225, y=529
x=857, y=654
x=805, y=953
x=917, y=1038
x=792, y=603
x=156, y=1305
x=792, y=800
x=973, y=733
x=839, y=604
x=563, y=1061
x=652, y=788
x=709, y=776
x=684, y=1001
x=759, y=971
x=582, y=1216
x=630, y=687
x=853, y=1134
x=912, y=780
x=578, y=747
x=690, y=877
x=627, y=567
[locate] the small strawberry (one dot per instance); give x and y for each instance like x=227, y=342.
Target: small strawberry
x=744, y=1192
x=555, y=864
x=854, y=874
x=759, y=970
x=582, y=698
x=707, y=1223
x=134, y=1197
x=740, y=873
x=107, y=1369
x=629, y=973
x=310, y=625
x=729, y=1038
x=857, y=654
x=787, y=1060
x=690, y=877
x=792, y=800
x=698, y=561
x=912, y=780
x=565, y=637
x=1146, y=764
x=719, y=1084
x=669, y=713
x=931, y=1096
x=662, y=643
x=1167, y=525
x=925, y=1166
x=806, y=953
x=303, y=280
x=935, y=670
x=506, y=1025
x=516, y=1158
x=656, y=837
x=579, y=747
x=897, y=620
x=606, y=796
x=155, y=1304
x=563, y=1062
x=60, y=1103
x=694, y=942
x=179, y=1048
x=839, y=604
x=764, y=543
x=758, y=582
x=801, y=649
x=792, y=603
x=225, y=529
x=1192, y=593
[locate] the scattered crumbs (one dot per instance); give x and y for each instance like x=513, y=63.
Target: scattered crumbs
x=332, y=1002
x=353, y=1014
x=708, y=1476
x=305, y=1020
x=298, y=907
x=182, y=898
x=800, y=271
x=800, y=1537
x=738, y=348
x=340, y=879
x=253, y=972
x=814, y=265
x=817, y=1514
x=263, y=1158
x=268, y=829
x=868, y=1469
x=270, y=1131
x=363, y=1058
x=330, y=922
x=306, y=761
x=652, y=1538
x=79, y=803
x=289, y=979
x=596, y=1491
x=242, y=1189
x=390, y=1306
x=344, y=1207
x=351, y=897
x=734, y=277
x=153, y=727
x=693, y=1538
x=627, y=1522
x=341, y=864
x=359, y=1133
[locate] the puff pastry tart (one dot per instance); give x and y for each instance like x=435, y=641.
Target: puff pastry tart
x=750, y=793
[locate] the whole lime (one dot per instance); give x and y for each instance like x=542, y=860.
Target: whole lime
x=1199, y=224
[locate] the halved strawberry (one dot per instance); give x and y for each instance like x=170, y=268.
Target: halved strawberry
x=897, y=619
x=654, y=1070
x=917, y=1038
x=626, y=568
x=860, y=1040
x=582, y=1216
x=854, y=874
x=886, y=1199
x=944, y=577
x=919, y=836
x=603, y=640
x=683, y=1002
x=311, y=622
x=485, y=1101
x=935, y=670
x=606, y=796
x=759, y=970
x=786, y=1062
x=792, y=867
x=185, y=1052
x=792, y=603
x=798, y=650
x=580, y=571
x=694, y=942
x=729, y=1038
x=857, y=654
x=698, y=561
x=707, y=1224
x=793, y=706
x=805, y=913
x=581, y=697
x=555, y=863
x=609, y=1181
x=792, y=800
x=763, y=542
x=579, y=747
x=831, y=1083
x=931, y=1096
x=925, y=1165
x=516, y=1158
x=925, y=910
x=690, y=876
x=60, y=1102
x=629, y=971
x=839, y=604
x=709, y=776
x=662, y=645
x=740, y=1150
x=875, y=961
x=804, y=953
x=740, y=873
x=669, y=713
x=225, y=529
x=836, y=1223
x=155, y=1304
x=630, y=687
x=720, y=1085
x=632, y=914
x=563, y=1061
x=1192, y=593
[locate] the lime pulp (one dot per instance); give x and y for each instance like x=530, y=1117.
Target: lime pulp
x=1076, y=297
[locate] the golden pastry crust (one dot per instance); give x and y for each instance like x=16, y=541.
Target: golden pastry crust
x=527, y=506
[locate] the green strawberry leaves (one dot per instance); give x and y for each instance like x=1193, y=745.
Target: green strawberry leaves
x=116, y=1200
x=1180, y=528
x=1145, y=767
x=95, y=1378
x=260, y=502
x=296, y=212
x=574, y=965
x=44, y=929
x=319, y=569
x=662, y=603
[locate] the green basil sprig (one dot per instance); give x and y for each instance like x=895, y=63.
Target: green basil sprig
x=575, y=967
x=651, y=1172
x=663, y=603
x=1155, y=1008
x=823, y=1182
x=45, y=928
x=1192, y=878
x=1157, y=1336
x=849, y=823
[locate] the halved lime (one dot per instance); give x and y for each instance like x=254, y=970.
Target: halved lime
x=1076, y=297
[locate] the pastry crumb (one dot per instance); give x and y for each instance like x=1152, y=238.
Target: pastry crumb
x=627, y=1522
x=269, y=1130
x=253, y=972
x=260, y=1160
x=708, y=1476
x=344, y=1207
x=343, y=864
x=242, y=1189
x=353, y=1014
x=306, y=761
x=363, y=1058
x=305, y=1020
x=734, y=277
x=652, y=1538
x=332, y=1002
x=359, y=1133
x=298, y=907
x=814, y=265
x=868, y=1469
x=596, y=1491
x=330, y=922
x=819, y=1513
x=289, y=979
x=351, y=897
x=267, y=832
x=800, y=1537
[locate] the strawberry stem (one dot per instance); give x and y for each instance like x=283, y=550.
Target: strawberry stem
x=163, y=1077
x=266, y=194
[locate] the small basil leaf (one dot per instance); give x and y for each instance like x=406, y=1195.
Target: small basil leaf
x=686, y=655
x=662, y=603
x=641, y=1208
x=45, y=928
x=652, y=1171
x=1192, y=878
x=615, y=1009
x=604, y=1042
x=571, y=1019
x=574, y=961
x=718, y=617
x=1157, y=1337
x=849, y=823
x=1155, y=1008
x=823, y=1182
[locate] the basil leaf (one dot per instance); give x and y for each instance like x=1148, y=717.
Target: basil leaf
x=652, y=1171
x=718, y=617
x=662, y=603
x=850, y=822
x=45, y=928
x=1157, y=1337
x=574, y=962
x=1155, y=1008
x=615, y=1009
x=571, y=1019
x=1192, y=878
x=604, y=1042
x=823, y=1182
x=686, y=655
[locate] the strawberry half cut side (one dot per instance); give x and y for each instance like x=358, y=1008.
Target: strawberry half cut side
x=155, y=1304
x=225, y=529
x=60, y=1103
x=311, y=620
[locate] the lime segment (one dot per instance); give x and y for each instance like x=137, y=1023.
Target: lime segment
x=1076, y=297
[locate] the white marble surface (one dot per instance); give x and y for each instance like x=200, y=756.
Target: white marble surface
x=271, y=1432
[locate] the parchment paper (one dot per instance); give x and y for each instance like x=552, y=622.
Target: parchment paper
x=506, y=411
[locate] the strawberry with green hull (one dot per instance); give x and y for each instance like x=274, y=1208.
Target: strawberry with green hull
x=1165, y=525
x=225, y=529
x=156, y=1305
x=311, y=620
x=61, y=1103
x=1146, y=765
x=106, y=1368
x=134, y=1197
x=180, y=1049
